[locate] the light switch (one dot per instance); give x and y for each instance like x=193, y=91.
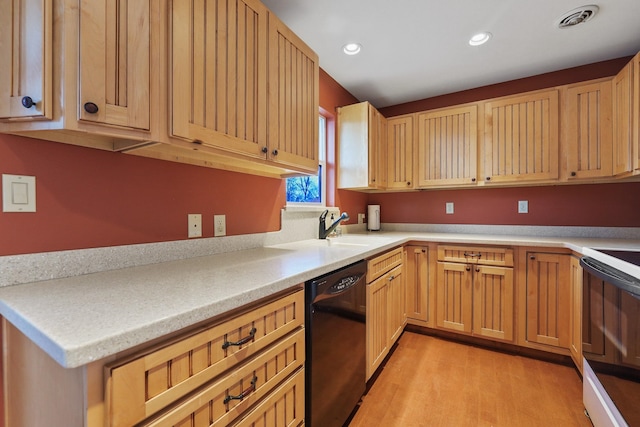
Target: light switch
x=18, y=193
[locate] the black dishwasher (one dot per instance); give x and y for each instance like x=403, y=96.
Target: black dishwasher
x=335, y=345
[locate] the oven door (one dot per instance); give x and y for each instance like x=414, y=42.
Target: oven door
x=611, y=344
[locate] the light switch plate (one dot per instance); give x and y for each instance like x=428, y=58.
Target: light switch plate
x=523, y=206
x=449, y=208
x=18, y=193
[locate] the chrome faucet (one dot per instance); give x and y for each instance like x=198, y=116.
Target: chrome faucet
x=323, y=231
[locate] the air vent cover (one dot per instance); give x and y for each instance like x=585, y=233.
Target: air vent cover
x=577, y=16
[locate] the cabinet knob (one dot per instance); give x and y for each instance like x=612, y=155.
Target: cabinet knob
x=573, y=174
x=27, y=102
x=473, y=180
x=408, y=182
x=90, y=107
x=532, y=257
x=468, y=268
x=391, y=277
x=488, y=178
x=265, y=150
x=477, y=269
x=274, y=152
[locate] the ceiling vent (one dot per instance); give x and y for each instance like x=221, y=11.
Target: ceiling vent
x=577, y=16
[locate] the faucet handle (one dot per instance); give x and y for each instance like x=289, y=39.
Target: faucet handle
x=323, y=215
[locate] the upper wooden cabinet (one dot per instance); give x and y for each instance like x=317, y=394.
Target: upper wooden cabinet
x=623, y=120
x=243, y=83
x=25, y=58
x=521, y=138
x=362, y=132
x=587, y=130
x=115, y=47
x=400, y=152
x=447, y=147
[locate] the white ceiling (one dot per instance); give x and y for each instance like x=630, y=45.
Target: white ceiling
x=415, y=49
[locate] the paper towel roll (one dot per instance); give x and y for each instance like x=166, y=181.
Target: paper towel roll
x=373, y=218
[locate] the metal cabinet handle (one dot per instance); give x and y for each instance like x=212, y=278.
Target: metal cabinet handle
x=244, y=394
x=27, y=102
x=265, y=150
x=468, y=268
x=391, y=277
x=242, y=341
x=472, y=255
x=532, y=257
x=573, y=173
x=477, y=269
x=90, y=107
x=473, y=180
x=274, y=152
x=408, y=182
x=488, y=178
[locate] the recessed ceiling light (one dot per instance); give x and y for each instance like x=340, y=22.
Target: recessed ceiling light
x=352, y=48
x=480, y=38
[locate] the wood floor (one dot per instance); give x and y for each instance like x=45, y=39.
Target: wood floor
x=429, y=381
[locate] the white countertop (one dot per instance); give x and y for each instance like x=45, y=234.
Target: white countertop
x=81, y=319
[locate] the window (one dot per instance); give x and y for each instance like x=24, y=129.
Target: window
x=310, y=190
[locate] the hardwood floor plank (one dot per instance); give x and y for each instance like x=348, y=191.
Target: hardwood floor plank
x=429, y=381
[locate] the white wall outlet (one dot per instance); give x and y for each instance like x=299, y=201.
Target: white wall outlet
x=195, y=225
x=360, y=218
x=219, y=225
x=448, y=208
x=523, y=206
x=18, y=193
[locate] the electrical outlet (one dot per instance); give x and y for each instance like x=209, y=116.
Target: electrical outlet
x=219, y=225
x=360, y=218
x=448, y=208
x=523, y=206
x=195, y=225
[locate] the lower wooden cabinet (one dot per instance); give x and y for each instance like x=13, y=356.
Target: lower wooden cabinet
x=473, y=298
x=386, y=313
x=575, y=312
x=419, y=281
x=545, y=300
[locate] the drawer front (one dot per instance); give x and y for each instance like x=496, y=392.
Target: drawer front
x=283, y=407
x=502, y=257
x=149, y=383
x=377, y=266
x=213, y=406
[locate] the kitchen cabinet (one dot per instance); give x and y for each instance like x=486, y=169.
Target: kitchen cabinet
x=386, y=314
x=97, y=92
x=575, y=312
x=545, y=298
x=521, y=138
x=247, y=86
x=475, y=291
x=362, y=132
x=447, y=147
x=623, y=120
x=635, y=120
x=228, y=371
x=400, y=152
x=588, y=130
x=25, y=68
x=420, y=280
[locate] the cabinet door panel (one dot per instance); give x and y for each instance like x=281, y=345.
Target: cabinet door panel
x=293, y=99
x=115, y=48
x=575, y=313
x=377, y=324
x=397, y=304
x=493, y=302
x=589, y=131
x=454, y=295
x=400, y=152
x=25, y=58
x=417, y=284
x=521, y=138
x=219, y=74
x=447, y=147
x=623, y=119
x=548, y=296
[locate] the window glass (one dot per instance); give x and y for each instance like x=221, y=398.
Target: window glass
x=310, y=189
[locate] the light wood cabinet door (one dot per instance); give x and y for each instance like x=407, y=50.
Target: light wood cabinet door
x=362, y=134
x=588, y=131
x=417, y=272
x=396, y=304
x=454, y=297
x=622, y=120
x=219, y=74
x=377, y=324
x=26, y=58
x=575, y=313
x=293, y=93
x=547, y=299
x=493, y=300
x=114, y=62
x=521, y=138
x=636, y=108
x=400, y=152
x=447, y=147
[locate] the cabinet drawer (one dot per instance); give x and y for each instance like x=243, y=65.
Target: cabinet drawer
x=143, y=386
x=213, y=405
x=283, y=407
x=379, y=265
x=476, y=255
